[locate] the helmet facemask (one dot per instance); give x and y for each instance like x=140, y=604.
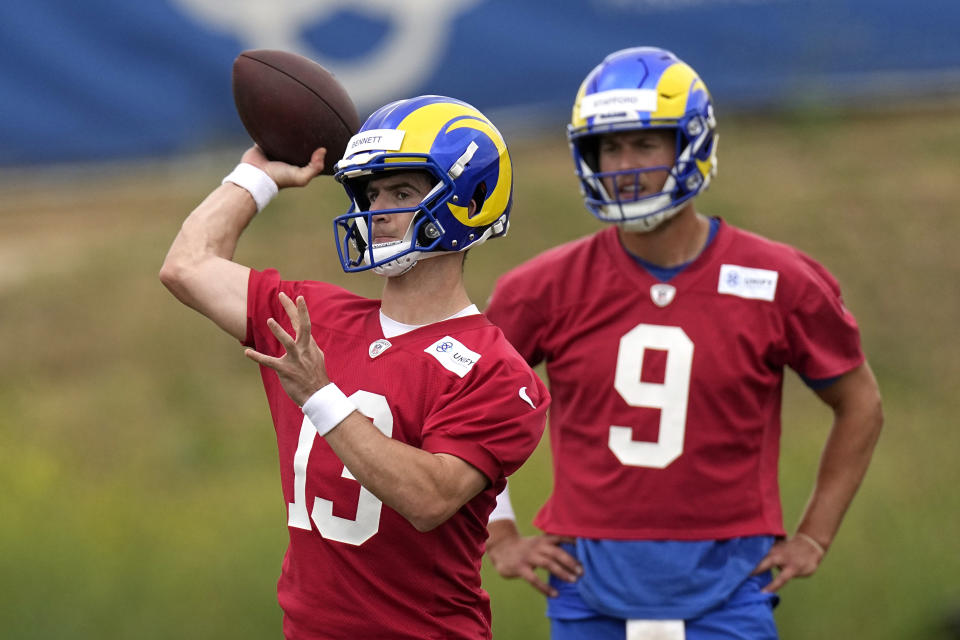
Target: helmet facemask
x=421, y=239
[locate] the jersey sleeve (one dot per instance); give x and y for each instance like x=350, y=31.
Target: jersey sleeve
x=263, y=289
x=523, y=323
x=494, y=421
x=823, y=339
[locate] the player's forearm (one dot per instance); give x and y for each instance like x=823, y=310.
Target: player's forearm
x=858, y=419
x=831, y=497
x=215, y=226
x=499, y=531
x=423, y=487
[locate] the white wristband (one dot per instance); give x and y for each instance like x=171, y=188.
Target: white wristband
x=327, y=408
x=256, y=181
x=503, y=509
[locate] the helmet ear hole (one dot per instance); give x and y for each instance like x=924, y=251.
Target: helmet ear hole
x=707, y=151
x=480, y=194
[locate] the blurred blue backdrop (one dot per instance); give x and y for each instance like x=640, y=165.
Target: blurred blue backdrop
x=104, y=79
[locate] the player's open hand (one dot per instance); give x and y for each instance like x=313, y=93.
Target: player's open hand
x=301, y=369
x=518, y=557
x=793, y=558
x=286, y=175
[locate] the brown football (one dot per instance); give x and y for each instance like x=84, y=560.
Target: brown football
x=290, y=105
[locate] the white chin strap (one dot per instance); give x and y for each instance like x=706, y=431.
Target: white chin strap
x=643, y=224
x=399, y=265
x=404, y=263
x=643, y=215
x=396, y=267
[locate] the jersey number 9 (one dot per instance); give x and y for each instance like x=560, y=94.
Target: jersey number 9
x=670, y=396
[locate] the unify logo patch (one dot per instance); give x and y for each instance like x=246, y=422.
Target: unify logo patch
x=744, y=282
x=453, y=355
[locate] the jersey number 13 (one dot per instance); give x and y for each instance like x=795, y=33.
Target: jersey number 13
x=367, y=522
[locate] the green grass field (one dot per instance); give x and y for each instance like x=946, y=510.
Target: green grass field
x=140, y=493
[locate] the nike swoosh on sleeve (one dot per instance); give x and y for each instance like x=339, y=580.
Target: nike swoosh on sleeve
x=526, y=398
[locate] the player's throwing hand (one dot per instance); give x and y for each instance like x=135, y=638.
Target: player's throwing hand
x=287, y=175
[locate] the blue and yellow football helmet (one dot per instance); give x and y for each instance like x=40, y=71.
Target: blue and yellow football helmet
x=459, y=148
x=644, y=88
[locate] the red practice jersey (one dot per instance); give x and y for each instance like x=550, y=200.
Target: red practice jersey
x=355, y=568
x=666, y=396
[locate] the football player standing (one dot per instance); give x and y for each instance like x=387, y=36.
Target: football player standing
x=665, y=338
x=398, y=419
